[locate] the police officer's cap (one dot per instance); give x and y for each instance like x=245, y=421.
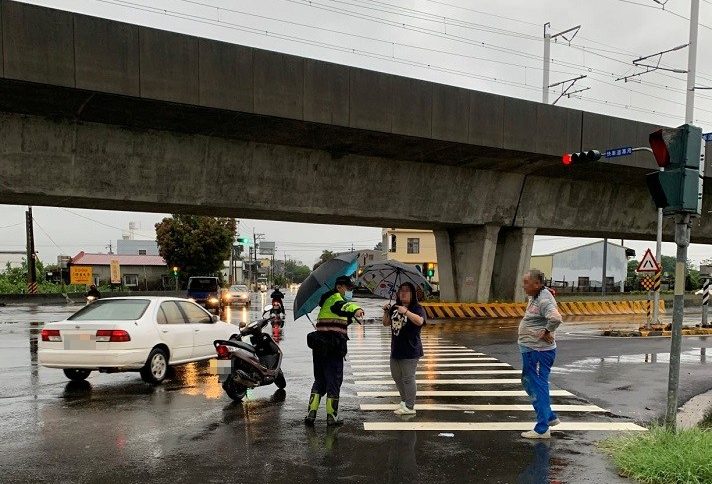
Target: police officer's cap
x=345, y=281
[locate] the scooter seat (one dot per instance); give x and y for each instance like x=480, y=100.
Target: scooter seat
x=244, y=346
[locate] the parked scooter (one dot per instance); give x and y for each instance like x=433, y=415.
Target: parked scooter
x=244, y=365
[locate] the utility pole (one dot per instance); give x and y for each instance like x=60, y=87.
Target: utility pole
x=547, y=62
x=547, y=56
x=249, y=267
x=692, y=61
x=682, y=238
x=256, y=239
x=230, y=278
x=605, y=263
x=31, y=270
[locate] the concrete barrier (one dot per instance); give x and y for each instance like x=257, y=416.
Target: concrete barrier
x=516, y=310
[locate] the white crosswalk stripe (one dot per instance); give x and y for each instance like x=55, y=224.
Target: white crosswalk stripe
x=482, y=426
x=442, y=372
x=429, y=365
x=427, y=360
x=490, y=407
x=457, y=393
x=427, y=354
x=448, y=364
x=454, y=381
x=425, y=347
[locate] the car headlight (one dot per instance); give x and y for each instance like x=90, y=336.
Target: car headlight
x=228, y=296
x=213, y=300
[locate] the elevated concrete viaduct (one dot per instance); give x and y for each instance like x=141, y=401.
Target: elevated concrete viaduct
x=100, y=114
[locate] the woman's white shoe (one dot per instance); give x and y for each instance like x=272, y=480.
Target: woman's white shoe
x=405, y=411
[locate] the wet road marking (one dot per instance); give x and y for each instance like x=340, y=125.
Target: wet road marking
x=499, y=426
x=371, y=354
x=425, y=345
x=467, y=393
x=461, y=381
x=422, y=360
x=443, y=372
x=429, y=365
x=427, y=354
x=445, y=407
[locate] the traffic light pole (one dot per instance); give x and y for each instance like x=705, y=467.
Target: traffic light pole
x=682, y=239
x=658, y=257
x=682, y=236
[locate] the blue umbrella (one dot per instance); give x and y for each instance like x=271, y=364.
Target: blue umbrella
x=322, y=280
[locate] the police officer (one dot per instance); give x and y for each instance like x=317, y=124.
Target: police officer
x=328, y=344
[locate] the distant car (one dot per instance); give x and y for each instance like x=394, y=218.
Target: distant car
x=238, y=294
x=145, y=334
x=206, y=291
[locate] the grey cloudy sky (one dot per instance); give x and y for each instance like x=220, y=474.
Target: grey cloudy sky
x=489, y=46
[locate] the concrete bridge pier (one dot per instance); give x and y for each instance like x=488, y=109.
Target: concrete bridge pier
x=511, y=261
x=465, y=262
x=482, y=262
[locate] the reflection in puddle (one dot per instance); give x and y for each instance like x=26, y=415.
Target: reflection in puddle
x=695, y=355
x=198, y=379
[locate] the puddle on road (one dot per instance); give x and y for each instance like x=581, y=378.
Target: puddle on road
x=695, y=355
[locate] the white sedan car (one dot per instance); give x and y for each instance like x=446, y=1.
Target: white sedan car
x=147, y=334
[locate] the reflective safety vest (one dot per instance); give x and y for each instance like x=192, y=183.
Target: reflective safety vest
x=329, y=320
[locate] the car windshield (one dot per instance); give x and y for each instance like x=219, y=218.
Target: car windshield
x=112, y=310
x=205, y=284
x=238, y=288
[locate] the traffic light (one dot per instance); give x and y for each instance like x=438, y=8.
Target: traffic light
x=175, y=270
x=582, y=157
x=244, y=241
x=680, y=151
x=429, y=269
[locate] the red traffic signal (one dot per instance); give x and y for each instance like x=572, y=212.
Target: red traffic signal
x=659, y=141
x=582, y=157
x=676, y=147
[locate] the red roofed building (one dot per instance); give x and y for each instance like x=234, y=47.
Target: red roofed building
x=138, y=272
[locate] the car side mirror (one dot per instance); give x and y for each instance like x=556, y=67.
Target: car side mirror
x=215, y=318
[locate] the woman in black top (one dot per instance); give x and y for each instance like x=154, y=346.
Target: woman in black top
x=406, y=318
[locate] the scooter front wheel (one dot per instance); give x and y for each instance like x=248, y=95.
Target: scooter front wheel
x=280, y=381
x=234, y=391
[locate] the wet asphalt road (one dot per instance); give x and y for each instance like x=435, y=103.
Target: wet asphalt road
x=116, y=428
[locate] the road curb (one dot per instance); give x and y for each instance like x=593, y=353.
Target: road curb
x=646, y=333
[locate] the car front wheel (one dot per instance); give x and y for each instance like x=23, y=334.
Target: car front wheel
x=156, y=367
x=76, y=374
